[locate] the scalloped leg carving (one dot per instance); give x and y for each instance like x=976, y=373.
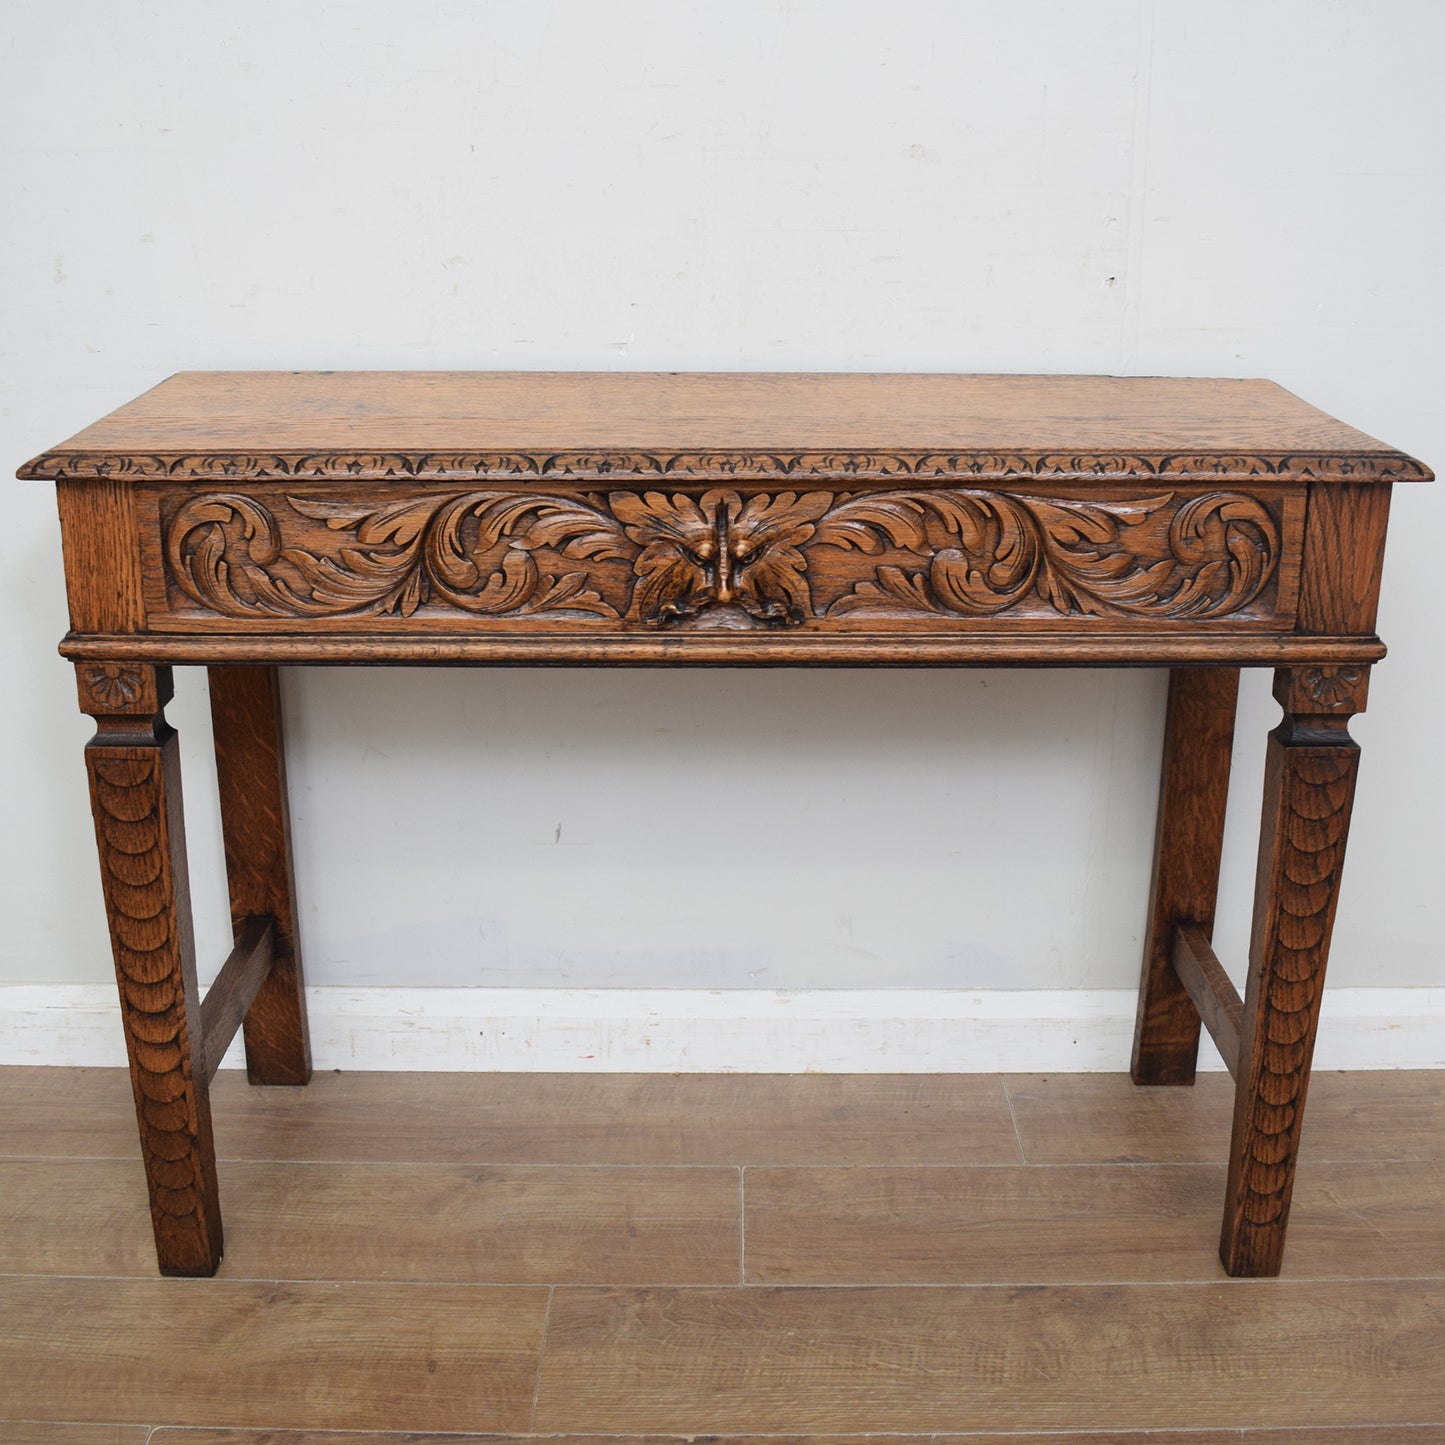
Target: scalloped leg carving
x=251, y=772
x=1189, y=838
x=1310, y=770
x=135, y=789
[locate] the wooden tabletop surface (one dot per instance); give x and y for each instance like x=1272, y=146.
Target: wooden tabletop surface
x=262, y=423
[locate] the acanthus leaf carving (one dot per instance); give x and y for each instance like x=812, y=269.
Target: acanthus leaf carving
x=223, y=550
x=720, y=551
x=677, y=543
x=1079, y=558
x=725, y=557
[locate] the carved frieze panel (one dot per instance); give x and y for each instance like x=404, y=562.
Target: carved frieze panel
x=269, y=556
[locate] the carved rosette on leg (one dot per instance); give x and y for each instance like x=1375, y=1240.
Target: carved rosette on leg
x=725, y=557
x=135, y=796
x=1311, y=766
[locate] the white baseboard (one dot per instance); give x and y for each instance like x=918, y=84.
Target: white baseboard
x=737, y=1031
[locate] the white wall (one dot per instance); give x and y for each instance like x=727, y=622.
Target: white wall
x=1238, y=188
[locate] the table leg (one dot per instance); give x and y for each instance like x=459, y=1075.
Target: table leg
x=1309, y=786
x=255, y=820
x=135, y=791
x=1198, y=741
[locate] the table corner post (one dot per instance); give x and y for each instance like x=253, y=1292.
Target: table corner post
x=255, y=821
x=1189, y=839
x=1310, y=768
x=135, y=787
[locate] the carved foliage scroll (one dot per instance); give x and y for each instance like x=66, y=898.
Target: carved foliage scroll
x=723, y=558
x=1213, y=557
x=473, y=552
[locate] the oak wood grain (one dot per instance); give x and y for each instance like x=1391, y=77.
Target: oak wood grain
x=235, y=986
x=102, y=555
x=747, y=649
x=1030, y=1358
x=135, y=789
x=311, y=1355
x=261, y=518
x=256, y=828
x=1343, y=558
x=1085, y=419
x=1210, y=989
x=1311, y=764
x=1189, y=841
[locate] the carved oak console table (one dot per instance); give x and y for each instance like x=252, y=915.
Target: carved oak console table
x=250, y=520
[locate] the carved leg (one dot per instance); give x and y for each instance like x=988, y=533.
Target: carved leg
x=1308, y=789
x=251, y=770
x=135, y=791
x=1198, y=740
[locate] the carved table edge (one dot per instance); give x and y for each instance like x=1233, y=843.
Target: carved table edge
x=733, y=649
x=583, y=465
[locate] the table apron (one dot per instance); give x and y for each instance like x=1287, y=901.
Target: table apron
x=322, y=558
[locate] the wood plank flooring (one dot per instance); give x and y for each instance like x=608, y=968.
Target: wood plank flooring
x=801, y=1260
x=1398, y=1435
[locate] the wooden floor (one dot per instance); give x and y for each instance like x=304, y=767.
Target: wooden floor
x=742, y=1256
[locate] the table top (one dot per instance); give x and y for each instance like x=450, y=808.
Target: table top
x=381, y=425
